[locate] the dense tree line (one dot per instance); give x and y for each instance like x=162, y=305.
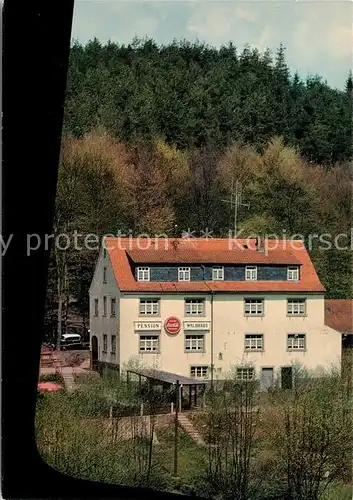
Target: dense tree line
x=192, y=94
x=154, y=136
x=106, y=186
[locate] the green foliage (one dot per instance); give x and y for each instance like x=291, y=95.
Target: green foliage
x=155, y=135
x=314, y=434
x=189, y=93
x=299, y=430
x=75, y=436
x=97, y=396
x=52, y=377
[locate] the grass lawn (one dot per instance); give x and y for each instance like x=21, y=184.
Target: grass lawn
x=191, y=457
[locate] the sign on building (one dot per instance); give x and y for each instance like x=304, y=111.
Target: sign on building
x=196, y=325
x=172, y=325
x=147, y=325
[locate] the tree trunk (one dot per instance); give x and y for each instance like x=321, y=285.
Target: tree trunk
x=60, y=282
x=60, y=308
x=67, y=296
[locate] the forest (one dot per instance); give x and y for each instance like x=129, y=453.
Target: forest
x=154, y=136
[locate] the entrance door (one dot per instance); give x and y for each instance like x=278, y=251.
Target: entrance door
x=286, y=377
x=266, y=380
x=94, y=352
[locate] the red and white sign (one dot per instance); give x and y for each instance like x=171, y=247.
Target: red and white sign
x=172, y=325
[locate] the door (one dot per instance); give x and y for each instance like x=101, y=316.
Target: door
x=266, y=380
x=94, y=352
x=286, y=377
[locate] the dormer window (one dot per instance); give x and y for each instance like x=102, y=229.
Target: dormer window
x=143, y=274
x=293, y=273
x=251, y=273
x=184, y=274
x=218, y=273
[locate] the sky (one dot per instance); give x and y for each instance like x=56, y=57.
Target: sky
x=317, y=35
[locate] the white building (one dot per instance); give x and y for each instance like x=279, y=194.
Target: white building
x=187, y=305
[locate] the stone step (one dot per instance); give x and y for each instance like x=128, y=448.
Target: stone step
x=189, y=428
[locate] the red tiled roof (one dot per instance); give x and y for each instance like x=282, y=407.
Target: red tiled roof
x=225, y=250
x=193, y=256
x=339, y=315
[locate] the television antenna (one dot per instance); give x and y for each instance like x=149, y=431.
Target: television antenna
x=236, y=202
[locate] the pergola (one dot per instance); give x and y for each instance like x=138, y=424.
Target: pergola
x=167, y=379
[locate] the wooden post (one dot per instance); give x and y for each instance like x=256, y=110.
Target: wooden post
x=177, y=389
x=180, y=398
x=172, y=407
x=141, y=410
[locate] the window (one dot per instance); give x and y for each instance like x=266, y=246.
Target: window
x=96, y=307
x=105, y=343
x=194, y=307
x=104, y=306
x=199, y=371
x=149, y=307
x=184, y=273
x=218, y=273
x=194, y=343
x=293, y=273
x=104, y=274
x=149, y=343
x=296, y=307
x=253, y=307
x=244, y=374
x=112, y=307
x=104, y=253
x=251, y=273
x=143, y=274
x=296, y=341
x=254, y=342
x=113, y=344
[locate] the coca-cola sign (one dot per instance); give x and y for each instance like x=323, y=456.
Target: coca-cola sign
x=172, y=325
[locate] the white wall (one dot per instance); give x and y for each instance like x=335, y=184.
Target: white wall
x=323, y=347
x=230, y=325
x=108, y=324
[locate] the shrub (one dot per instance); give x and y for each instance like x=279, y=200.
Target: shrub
x=52, y=377
x=314, y=437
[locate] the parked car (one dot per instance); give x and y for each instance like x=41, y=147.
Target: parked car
x=70, y=340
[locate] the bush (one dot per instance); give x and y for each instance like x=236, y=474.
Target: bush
x=96, y=396
x=314, y=436
x=83, y=448
x=52, y=377
x=282, y=451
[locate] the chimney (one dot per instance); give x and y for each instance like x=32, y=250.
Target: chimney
x=175, y=244
x=260, y=244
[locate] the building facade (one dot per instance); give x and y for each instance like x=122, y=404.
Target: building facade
x=210, y=308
